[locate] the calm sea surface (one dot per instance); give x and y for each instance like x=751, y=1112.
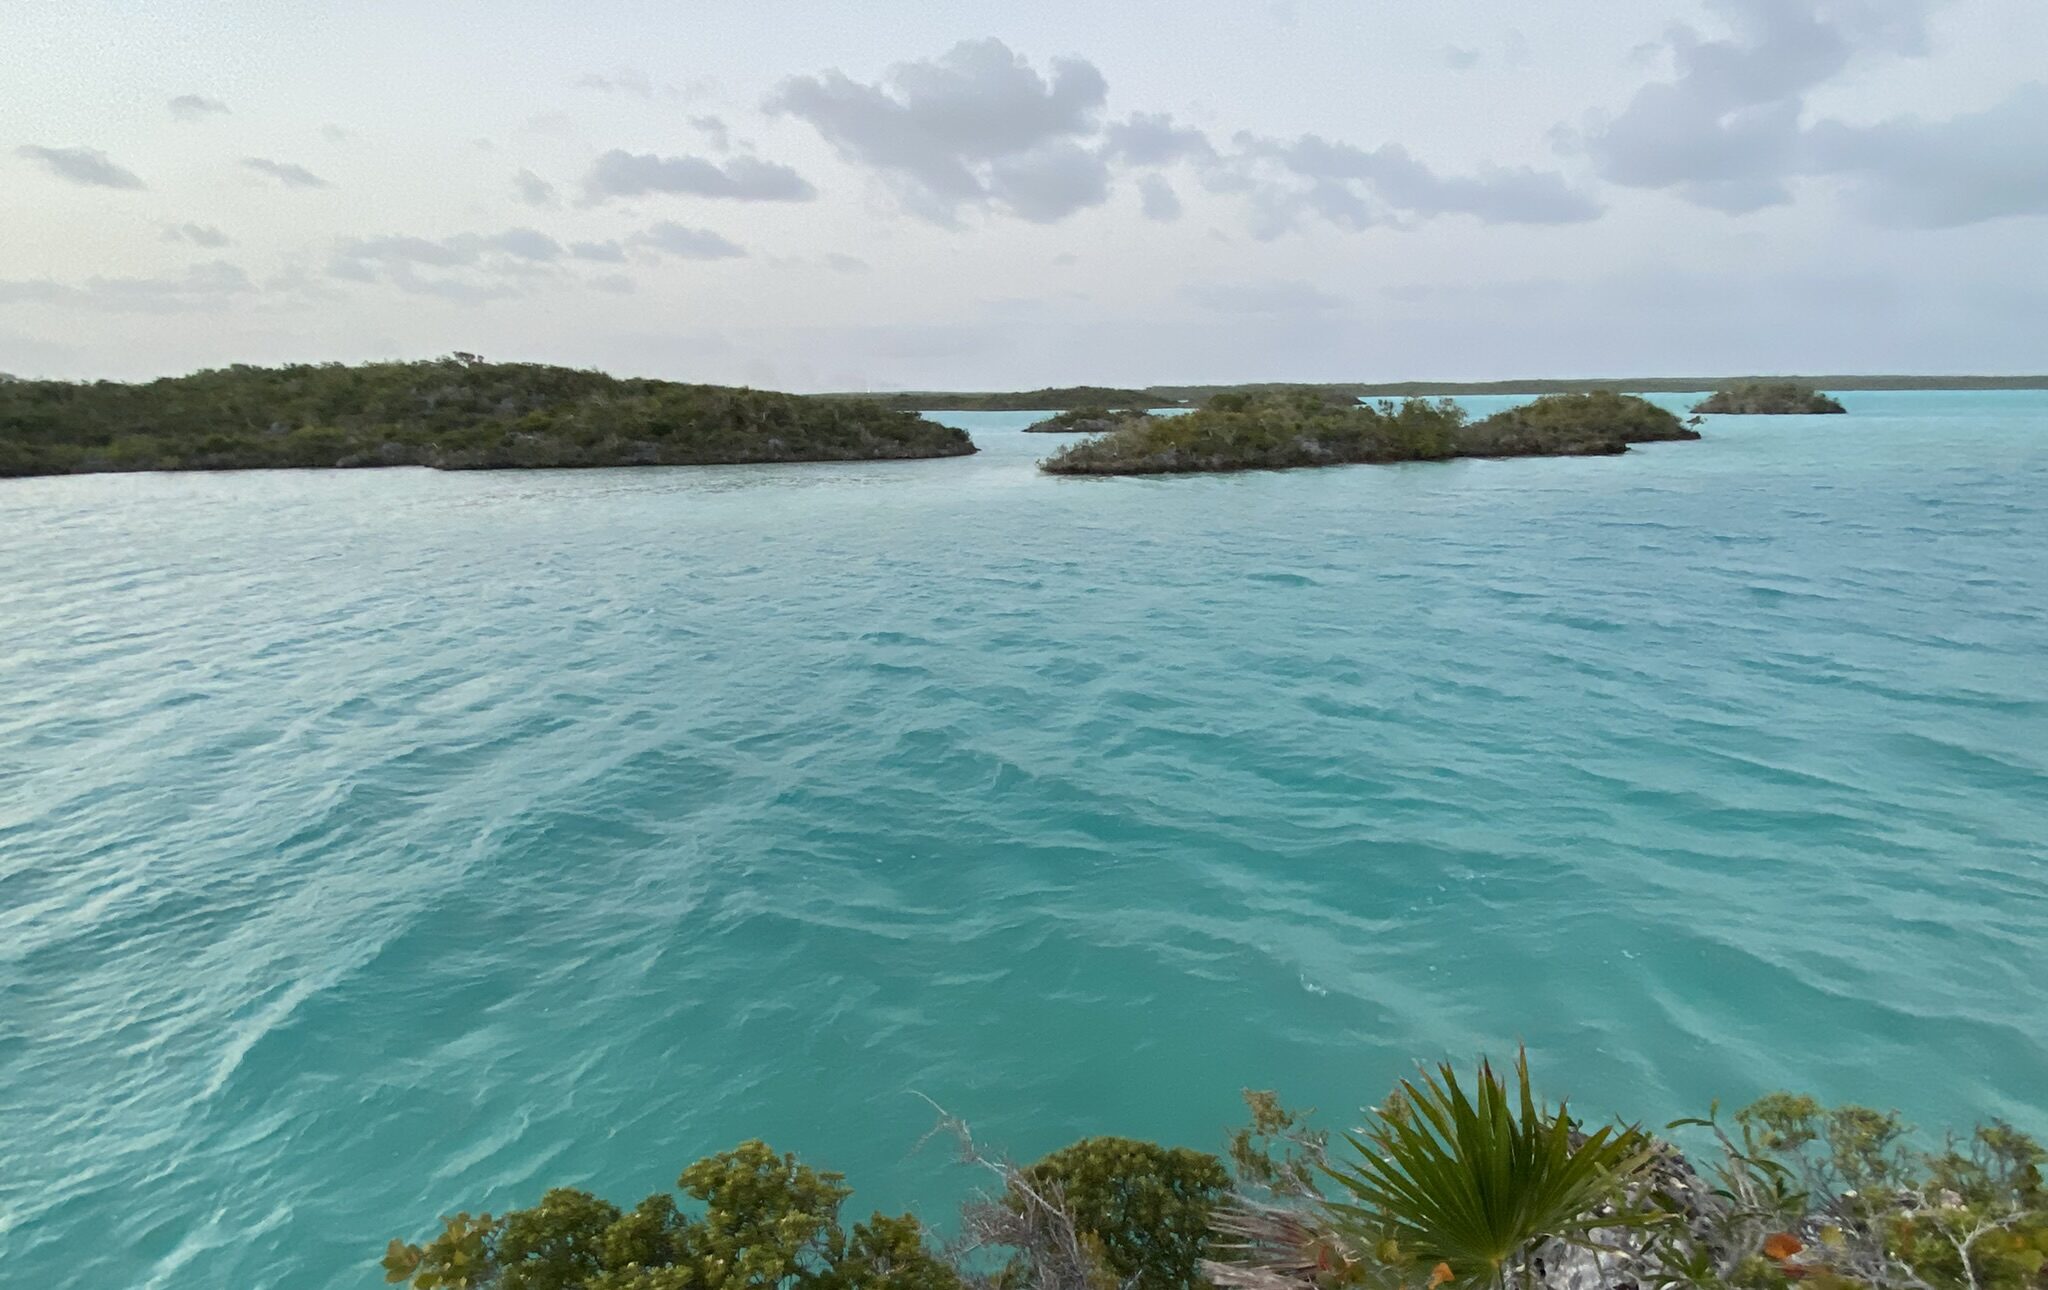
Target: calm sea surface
x=377, y=844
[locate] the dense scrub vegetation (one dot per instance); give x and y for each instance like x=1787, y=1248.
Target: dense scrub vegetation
x=1050, y=397
x=1265, y=432
x=1160, y=396
x=1600, y=420
x=1088, y=420
x=1319, y=427
x=1768, y=398
x=455, y=413
x=1449, y=1183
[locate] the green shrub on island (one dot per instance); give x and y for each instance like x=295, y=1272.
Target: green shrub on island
x=456, y=413
x=1598, y=422
x=1236, y=431
x=1159, y=396
x=1768, y=398
x=1272, y=430
x=1050, y=397
x=1088, y=420
x=1479, y=1186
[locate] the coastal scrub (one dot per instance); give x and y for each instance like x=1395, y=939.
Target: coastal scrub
x=1769, y=398
x=455, y=413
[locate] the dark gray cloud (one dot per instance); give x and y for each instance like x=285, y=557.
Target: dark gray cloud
x=459, y=250
x=686, y=243
x=198, y=235
x=602, y=252
x=87, y=166
x=532, y=189
x=1152, y=139
x=978, y=128
x=975, y=127
x=715, y=132
x=1726, y=129
x=290, y=174
x=201, y=287
x=1050, y=182
x=465, y=267
x=196, y=107
x=1264, y=298
x=1357, y=188
x=747, y=179
x=839, y=262
x=1939, y=174
x=523, y=244
x=623, y=80
x=1157, y=200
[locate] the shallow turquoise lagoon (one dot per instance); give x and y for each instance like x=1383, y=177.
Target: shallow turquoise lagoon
x=378, y=844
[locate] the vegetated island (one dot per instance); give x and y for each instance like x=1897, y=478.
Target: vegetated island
x=1308, y=427
x=1050, y=398
x=1450, y=1184
x=1088, y=420
x=1768, y=398
x=455, y=413
x=1163, y=396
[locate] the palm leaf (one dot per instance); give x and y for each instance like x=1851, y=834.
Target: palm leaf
x=1475, y=1180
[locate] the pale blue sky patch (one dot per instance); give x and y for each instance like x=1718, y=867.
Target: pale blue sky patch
x=831, y=195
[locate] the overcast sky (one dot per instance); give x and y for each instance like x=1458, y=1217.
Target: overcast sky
x=953, y=194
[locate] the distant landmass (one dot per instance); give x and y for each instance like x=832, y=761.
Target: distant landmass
x=456, y=413
x=1058, y=398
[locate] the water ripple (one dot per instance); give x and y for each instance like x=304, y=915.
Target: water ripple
x=376, y=845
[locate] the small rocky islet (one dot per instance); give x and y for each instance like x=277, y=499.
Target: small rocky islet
x=1283, y=429
x=1088, y=420
x=1768, y=398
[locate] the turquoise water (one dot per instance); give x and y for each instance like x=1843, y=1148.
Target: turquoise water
x=377, y=844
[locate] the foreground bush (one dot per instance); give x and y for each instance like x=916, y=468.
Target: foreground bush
x=1466, y=1185
x=458, y=413
x=1144, y=1209
x=1474, y=1184
x=767, y=1221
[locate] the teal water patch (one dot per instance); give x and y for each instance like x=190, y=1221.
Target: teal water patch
x=378, y=844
